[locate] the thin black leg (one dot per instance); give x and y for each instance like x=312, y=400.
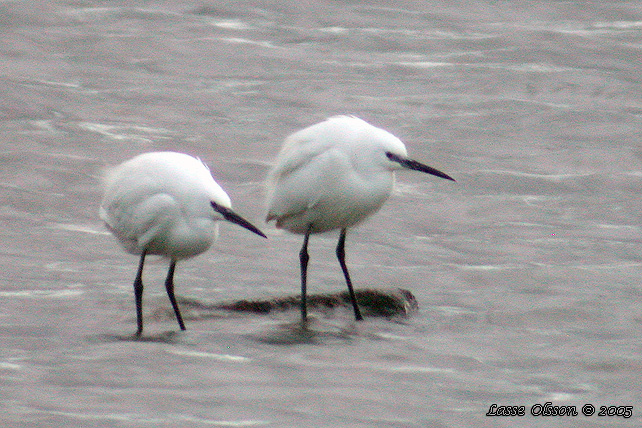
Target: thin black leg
x=138, y=294
x=169, y=285
x=341, y=255
x=304, y=258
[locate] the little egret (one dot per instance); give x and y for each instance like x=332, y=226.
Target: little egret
x=332, y=175
x=167, y=204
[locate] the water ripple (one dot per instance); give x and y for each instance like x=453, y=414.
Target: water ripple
x=220, y=357
x=42, y=294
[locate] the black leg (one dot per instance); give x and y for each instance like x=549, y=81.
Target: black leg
x=169, y=285
x=138, y=294
x=304, y=258
x=341, y=255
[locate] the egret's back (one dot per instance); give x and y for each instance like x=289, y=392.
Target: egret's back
x=161, y=194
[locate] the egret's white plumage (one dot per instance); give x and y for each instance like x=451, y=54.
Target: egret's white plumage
x=167, y=204
x=333, y=175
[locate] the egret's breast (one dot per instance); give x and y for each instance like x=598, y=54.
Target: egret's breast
x=355, y=200
x=340, y=203
x=184, y=238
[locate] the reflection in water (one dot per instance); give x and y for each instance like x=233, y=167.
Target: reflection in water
x=314, y=332
x=169, y=337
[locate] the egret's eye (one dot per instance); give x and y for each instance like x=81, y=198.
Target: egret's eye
x=394, y=158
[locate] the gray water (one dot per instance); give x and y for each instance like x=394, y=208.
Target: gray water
x=526, y=271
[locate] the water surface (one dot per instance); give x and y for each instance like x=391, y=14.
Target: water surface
x=526, y=270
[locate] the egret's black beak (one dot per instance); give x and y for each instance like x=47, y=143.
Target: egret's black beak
x=233, y=217
x=417, y=166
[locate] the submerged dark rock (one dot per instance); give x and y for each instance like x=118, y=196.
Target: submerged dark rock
x=373, y=302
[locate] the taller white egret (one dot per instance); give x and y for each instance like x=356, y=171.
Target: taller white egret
x=332, y=175
x=167, y=204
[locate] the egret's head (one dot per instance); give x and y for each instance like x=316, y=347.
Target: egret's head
x=394, y=156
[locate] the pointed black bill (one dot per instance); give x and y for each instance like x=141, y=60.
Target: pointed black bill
x=233, y=217
x=417, y=166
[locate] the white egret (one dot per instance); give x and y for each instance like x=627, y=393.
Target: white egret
x=167, y=204
x=333, y=175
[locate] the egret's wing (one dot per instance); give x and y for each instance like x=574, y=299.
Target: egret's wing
x=296, y=190
x=296, y=154
x=136, y=217
x=309, y=143
x=308, y=166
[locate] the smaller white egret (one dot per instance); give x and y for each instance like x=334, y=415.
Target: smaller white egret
x=332, y=175
x=167, y=204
